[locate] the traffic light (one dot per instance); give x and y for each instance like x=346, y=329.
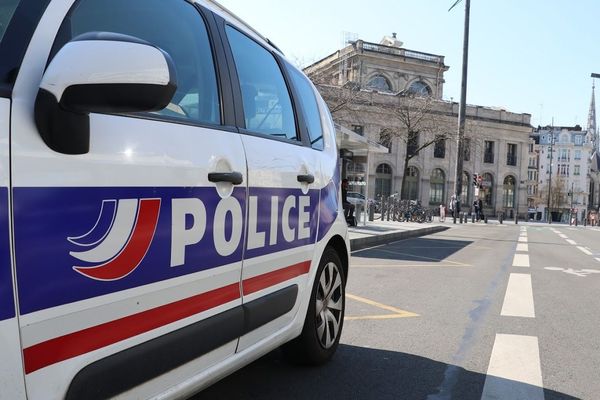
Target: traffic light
x=475, y=183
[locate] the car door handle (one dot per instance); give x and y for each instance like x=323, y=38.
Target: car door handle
x=307, y=178
x=232, y=177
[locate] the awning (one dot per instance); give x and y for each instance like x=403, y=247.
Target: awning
x=357, y=144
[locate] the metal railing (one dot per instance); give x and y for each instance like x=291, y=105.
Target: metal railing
x=391, y=208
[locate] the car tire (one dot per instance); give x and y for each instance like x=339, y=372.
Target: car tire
x=325, y=315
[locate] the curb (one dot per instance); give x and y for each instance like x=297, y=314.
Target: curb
x=375, y=240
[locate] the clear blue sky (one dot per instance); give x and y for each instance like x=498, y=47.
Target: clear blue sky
x=532, y=56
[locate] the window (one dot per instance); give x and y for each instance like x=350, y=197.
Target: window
x=576, y=170
x=6, y=12
x=488, y=190
x=182, y=34
x=439, y=149
x=467, y=149
x=508, y=198
x=267, y=104
x=358, y=129
x=411, y=184
x=412, y=143
x=385, y=138
x=380, y=82
x=578, y=139
x=383, y=180
x=578, y=154
x=309, y=106
x=419, y=88
x=436, y=187
x=511, y=154
x=488, y=152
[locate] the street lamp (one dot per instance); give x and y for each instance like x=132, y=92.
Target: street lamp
x=548, y=212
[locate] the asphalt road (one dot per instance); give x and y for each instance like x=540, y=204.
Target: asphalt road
x=475, y=312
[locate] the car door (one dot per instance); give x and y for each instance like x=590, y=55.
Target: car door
x=284, y=178
x=128, y=257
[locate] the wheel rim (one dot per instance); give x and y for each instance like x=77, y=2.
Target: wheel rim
x=329, y=305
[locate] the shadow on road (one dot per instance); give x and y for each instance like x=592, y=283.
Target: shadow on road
x=355, y=373
x=420, y=249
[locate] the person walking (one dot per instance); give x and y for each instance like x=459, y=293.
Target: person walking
x=442, y=213
x=452, y=205
x=476, y=209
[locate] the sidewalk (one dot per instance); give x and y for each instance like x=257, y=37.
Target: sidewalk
x=380, y=232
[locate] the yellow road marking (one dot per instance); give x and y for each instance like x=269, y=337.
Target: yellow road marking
x=398, y=313
x=423, y=257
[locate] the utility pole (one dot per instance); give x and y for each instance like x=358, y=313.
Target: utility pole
x=462, y=108
x=571, y=210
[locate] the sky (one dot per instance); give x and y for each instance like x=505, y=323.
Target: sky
x=526, y=56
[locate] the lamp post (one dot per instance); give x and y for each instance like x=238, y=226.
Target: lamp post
x=548, y=213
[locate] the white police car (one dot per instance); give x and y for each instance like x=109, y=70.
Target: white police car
x=169, y=201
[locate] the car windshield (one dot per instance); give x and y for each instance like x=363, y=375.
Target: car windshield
x=7, y=9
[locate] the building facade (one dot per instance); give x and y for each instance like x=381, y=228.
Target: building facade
x=367, y=85
x=565, y=155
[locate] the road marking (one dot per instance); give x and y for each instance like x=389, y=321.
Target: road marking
x=522, y=247
x=523, y=239
x=570, y=241
x=562, y=235
x=521, y=260
x=584, y=250
x=597, y=259
x=514, y=371
x=398, y=313
x=576, y=272
x=423, y=257
x=518, y=300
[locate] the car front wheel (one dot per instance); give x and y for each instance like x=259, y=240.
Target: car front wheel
x=325, y=317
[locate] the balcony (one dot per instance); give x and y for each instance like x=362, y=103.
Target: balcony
x=397, y=51
x=488, y=157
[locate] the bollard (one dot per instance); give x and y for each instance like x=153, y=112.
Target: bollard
x=500, y=217
x=454, y=217
x=466, y=217
x=473, y=218
x=485, y=219
x=585, y=222
x=516, y=218
x=576, y=221
x=372, y=212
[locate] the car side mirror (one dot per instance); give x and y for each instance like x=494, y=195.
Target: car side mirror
x=100, y=72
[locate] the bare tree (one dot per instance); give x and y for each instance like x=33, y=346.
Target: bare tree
x=415, y=123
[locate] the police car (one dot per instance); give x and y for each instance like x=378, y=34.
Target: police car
x=169, y=201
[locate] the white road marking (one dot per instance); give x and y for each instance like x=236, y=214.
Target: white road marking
x=518, y=300
x=523, y=239
x=514, y=371
x=562, y=235
x=570, y=241
x=521, y=260
x=522, y=247
x=584, y=250
x=576, y=272
x=597, y=259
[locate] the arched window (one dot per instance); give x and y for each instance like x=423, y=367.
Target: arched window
x=488, y=190
x=380, y=82
x=466, y=190
x=436, y=186
x=419, y=88
x=383, y=180
x=411, y=184
x=508, y=196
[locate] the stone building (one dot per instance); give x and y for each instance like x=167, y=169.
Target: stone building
x=365, y=84
x=565, y=155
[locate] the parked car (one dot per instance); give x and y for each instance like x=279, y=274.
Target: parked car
x=169, y=207
x=357, y=198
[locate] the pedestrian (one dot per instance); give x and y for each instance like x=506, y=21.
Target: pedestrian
x=348, y=207
x=452, y=205
x=480, y=206
x=476, y=209
x=442, y=213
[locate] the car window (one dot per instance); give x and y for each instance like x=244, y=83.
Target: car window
x=7, y=8
x=266, y=99
x=310, y=107
x=173, y=25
